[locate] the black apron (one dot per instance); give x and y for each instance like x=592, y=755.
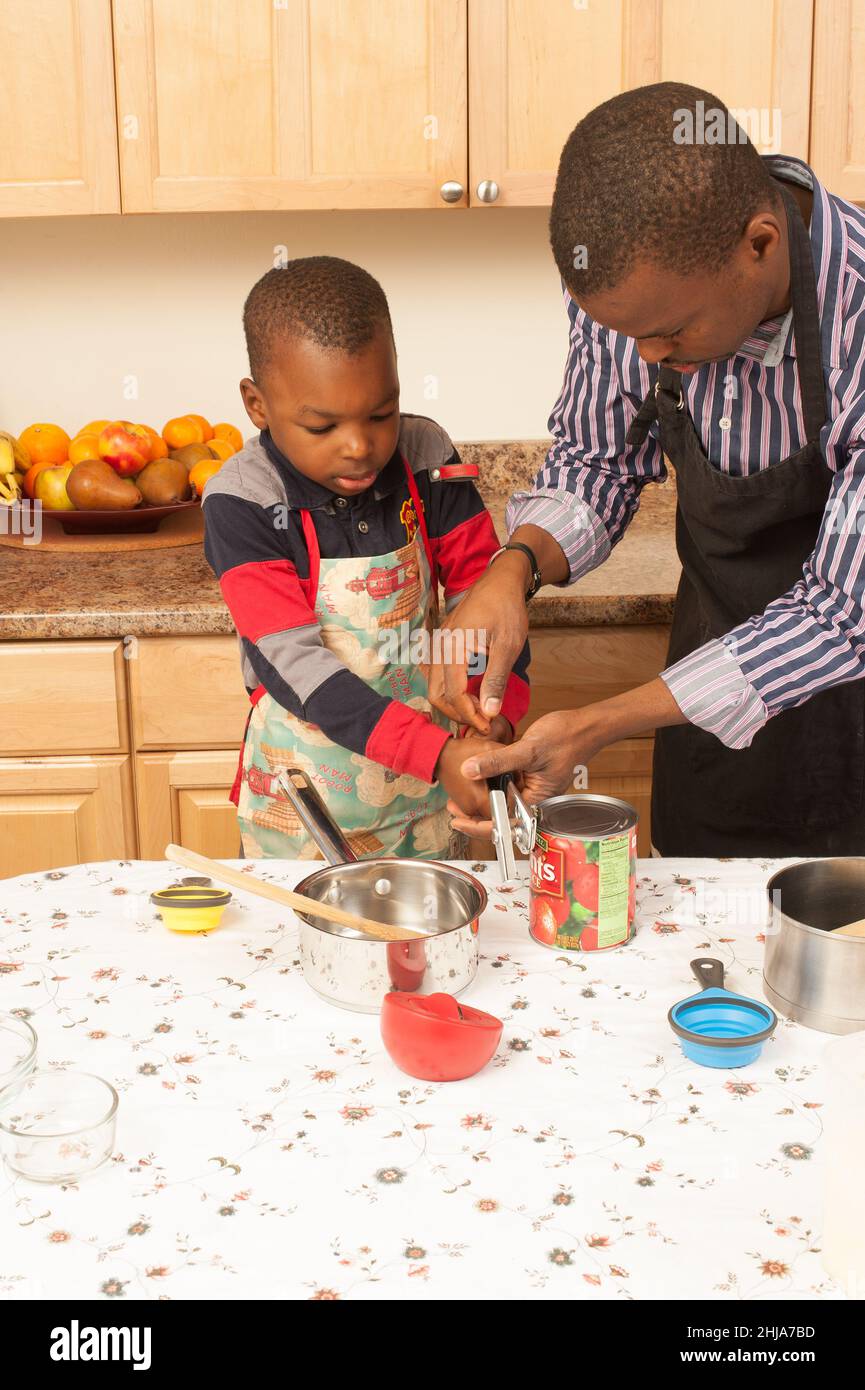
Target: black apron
x=798, y=788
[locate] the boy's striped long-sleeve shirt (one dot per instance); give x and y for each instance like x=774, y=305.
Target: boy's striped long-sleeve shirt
x=254, y=542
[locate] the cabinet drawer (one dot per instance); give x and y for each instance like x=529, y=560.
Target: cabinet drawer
x=62, y=697
x=574, y=666
x=187, y=692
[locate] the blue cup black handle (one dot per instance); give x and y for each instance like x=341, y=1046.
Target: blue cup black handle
x=709, y=972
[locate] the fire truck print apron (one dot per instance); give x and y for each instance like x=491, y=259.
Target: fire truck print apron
x=369, y=609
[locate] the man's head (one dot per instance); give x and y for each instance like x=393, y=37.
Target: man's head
x=323, y=370
x=675, y=241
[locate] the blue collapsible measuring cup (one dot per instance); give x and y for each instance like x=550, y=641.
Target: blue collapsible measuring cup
x=717, y=1028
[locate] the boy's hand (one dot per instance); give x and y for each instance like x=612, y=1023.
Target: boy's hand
x=500, y=731
x=472, y=798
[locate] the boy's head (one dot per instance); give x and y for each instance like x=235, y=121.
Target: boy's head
x=323, y=370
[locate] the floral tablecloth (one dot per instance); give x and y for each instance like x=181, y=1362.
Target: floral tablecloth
x=268, y=1148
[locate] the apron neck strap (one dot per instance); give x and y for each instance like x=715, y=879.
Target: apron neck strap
x=418, y=511
x=312, y=549
x=806, y=318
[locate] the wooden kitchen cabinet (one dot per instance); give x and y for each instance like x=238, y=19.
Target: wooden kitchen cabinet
x=183, y=799
x=58, y=134
x=536, y=67
x=62, y=697
x=255, y=104
x=837, y=129
x=186, y=692
x=59, y=811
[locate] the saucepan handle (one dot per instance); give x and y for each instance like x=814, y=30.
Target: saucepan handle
x=709, y=972
x=315, y=817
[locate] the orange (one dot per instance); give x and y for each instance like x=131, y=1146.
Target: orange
x=28, y=482
x=182, y=430
x=84, y=446
x=205, y=425
x=45, y=443
x=158, y=446
x=202, y=471
x=222, y=448
x=93, y=427
x=229, y=432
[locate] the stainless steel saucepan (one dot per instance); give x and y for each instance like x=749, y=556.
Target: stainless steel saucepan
x=351, y=970
x=811, y=973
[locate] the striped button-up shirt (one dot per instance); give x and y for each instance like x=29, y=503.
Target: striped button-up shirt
x=747, y=412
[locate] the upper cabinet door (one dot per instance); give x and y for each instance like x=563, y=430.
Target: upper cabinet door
x=58, y=137
x=537, y=66
x=239, y=104
x=837, y=126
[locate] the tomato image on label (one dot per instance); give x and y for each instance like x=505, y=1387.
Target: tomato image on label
x=585, y=886
x=547, y=915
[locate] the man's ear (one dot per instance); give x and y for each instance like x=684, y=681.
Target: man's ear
x=254, y=403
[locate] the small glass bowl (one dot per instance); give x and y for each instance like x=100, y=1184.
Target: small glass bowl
x=17, y=1049
x=57, y=1126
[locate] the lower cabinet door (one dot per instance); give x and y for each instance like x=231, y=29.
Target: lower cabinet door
x=60, y=811
x=183, y=799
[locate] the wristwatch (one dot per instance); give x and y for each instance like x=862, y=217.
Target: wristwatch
x=537, y=579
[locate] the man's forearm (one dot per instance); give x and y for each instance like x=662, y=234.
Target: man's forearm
x=552, y=561
x=637, y=711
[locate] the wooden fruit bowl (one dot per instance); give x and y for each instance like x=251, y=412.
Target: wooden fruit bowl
x=104, y=522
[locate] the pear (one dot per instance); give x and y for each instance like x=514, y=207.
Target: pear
x=164, y=483
x=191, y=454
x=94, y=486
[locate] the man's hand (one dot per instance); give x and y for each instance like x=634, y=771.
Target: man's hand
x=492, y=617
x=469, y=798
x=543, y=762
x=545, y=759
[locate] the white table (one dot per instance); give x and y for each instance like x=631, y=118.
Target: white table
x=268, y=1148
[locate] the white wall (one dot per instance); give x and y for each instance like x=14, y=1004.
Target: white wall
x=87, y=302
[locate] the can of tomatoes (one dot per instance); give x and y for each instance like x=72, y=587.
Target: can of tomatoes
x=583, y=873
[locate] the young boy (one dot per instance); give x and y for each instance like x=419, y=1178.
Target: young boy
x=329, y=534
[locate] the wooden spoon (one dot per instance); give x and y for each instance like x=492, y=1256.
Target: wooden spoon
x=223, y=874
x=851, y=928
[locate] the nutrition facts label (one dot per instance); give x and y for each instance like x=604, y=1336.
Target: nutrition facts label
x=613, y=878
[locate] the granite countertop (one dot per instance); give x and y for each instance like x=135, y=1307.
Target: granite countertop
x=164, y=592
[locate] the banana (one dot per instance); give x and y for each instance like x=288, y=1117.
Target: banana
x=19, y=453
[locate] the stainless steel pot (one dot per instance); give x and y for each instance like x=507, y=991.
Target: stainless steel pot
x=809, y=974
x=351, y=970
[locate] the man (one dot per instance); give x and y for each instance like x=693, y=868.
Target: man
x=717, y=307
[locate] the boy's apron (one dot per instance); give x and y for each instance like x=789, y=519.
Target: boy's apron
x=798, y=788
x=369, y=609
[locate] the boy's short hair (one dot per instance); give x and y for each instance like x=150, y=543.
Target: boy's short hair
x=325, y=299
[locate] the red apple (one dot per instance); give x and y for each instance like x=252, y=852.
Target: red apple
x=126, y=448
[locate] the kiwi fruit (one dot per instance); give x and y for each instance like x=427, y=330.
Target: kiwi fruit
x=94, y=486
x=191, y=454
x=164, y=483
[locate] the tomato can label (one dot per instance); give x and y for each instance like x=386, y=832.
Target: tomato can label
x=583, y=890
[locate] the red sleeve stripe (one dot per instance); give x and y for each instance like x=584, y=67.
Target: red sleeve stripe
x=407, y=741
x=462, y=555
x=265, y=596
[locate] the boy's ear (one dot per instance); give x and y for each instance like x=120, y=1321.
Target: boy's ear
x=254, y=403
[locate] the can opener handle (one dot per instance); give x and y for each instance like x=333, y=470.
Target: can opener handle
x=505, y=835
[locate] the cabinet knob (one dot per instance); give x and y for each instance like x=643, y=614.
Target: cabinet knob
x=452, y=191
x=488, y=190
